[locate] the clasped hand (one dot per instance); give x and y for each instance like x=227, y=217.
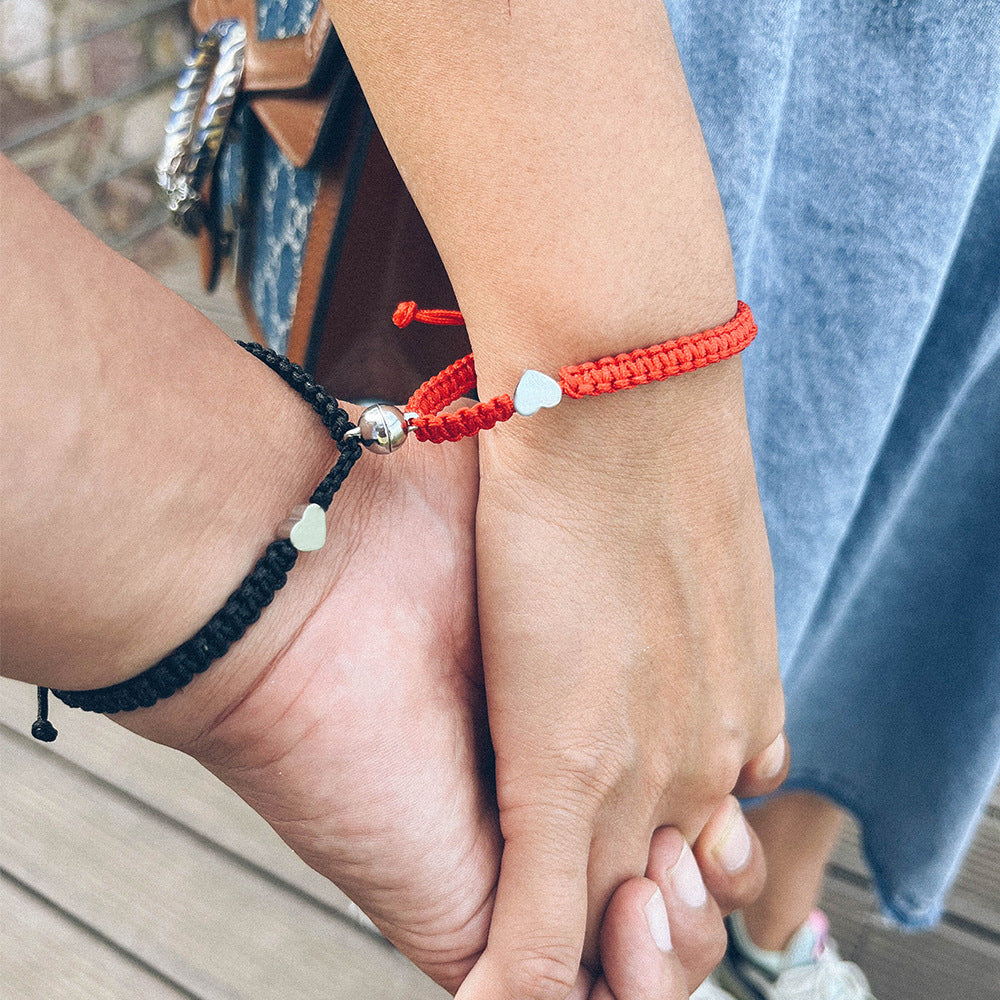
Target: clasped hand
x=617, y=714
x=483, y=800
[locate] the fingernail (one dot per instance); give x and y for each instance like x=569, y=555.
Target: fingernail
x=656, y=918
x=686, y=880
x=733, y=850
x=772, y=760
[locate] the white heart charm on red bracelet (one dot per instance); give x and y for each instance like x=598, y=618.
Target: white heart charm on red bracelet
x=535, y=391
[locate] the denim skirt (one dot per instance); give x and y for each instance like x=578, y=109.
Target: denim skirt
x=855, y=144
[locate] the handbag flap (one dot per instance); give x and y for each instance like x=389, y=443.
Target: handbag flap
x=291, y=83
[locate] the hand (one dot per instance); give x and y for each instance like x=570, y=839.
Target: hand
x=365, y=745
x=694, y=901
x=348, y=716
x=361, y=744
x=664, y=947
x=629, y=648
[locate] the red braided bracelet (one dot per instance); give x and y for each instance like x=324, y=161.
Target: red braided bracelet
x=535, y=390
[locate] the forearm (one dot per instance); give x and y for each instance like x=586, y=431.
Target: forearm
x=555, y=155
x=147, y=460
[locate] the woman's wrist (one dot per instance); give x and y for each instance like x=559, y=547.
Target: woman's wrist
x=514, y=333
x=655, y=432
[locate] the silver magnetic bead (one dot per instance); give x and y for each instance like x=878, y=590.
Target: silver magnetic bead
x=383, y=428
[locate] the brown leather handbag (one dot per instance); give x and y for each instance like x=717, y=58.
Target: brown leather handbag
x=365, y=248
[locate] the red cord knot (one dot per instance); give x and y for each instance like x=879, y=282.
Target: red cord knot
x=405, y=314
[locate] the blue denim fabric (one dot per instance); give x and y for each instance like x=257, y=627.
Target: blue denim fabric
x=283, y=198
x=284, y=18
x=857, y=150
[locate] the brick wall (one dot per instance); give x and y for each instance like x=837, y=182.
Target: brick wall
x=84, y=91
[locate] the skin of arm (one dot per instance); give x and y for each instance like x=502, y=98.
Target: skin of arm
x=625, y=588
x=557, y=159
x=146, y=460
x=149, y=462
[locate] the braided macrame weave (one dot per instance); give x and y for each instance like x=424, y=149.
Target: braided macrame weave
x=427, y=423
x=455, y=381
x=653, y=364
x=624, y=371
x=245, y=604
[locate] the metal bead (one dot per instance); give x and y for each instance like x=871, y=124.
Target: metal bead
x=383, y=428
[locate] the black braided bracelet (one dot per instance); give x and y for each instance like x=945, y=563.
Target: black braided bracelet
x=246, y=603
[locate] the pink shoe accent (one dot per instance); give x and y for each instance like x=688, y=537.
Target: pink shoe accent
x=819, y=924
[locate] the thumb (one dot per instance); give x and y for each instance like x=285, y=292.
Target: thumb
x=539, y=918
x=636, y=947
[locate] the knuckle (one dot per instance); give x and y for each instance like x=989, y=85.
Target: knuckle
x=772, y=719
x=542, y=973
x=574, y=777
x=720, y=770
x=594, y=768
x=716, y=787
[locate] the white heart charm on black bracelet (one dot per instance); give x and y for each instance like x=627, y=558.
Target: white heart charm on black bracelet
x=535, y=391
x=305, y=527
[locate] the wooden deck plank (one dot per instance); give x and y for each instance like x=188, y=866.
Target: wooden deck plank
x=946, y=964
x=977, y=889
x=952, y=966
x=46, y=956
x=167, y=782
x=172, y=784
x=218, y=928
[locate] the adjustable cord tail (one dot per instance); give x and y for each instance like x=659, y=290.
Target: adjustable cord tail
x=41, y=728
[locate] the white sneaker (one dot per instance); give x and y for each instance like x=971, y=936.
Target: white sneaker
x=808, y=969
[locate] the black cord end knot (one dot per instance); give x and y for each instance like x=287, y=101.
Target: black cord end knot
x=41, y=728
